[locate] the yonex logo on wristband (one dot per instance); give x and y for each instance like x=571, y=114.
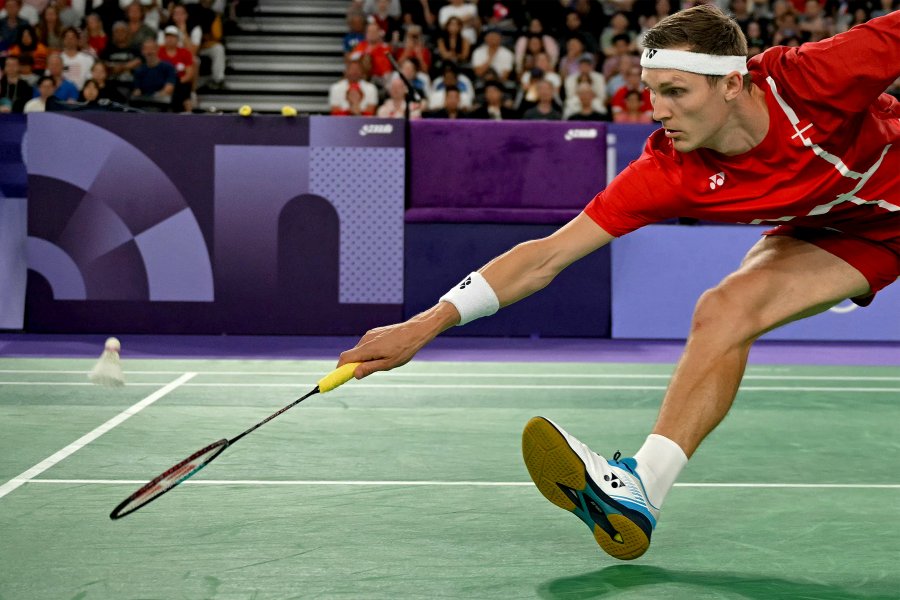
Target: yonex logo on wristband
x=465, y=282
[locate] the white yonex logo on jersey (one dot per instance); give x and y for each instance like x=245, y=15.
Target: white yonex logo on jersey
x=716, y=180
x=581, y=134
x=376, y=130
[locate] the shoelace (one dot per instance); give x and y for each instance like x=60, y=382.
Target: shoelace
x=622, y=464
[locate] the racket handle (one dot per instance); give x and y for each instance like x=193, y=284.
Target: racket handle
x=338, y=377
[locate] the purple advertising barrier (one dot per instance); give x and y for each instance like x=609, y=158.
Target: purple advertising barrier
x=504, y=172
x=625, y=142
x=211, y=224
x=13, y=211
x=659, y=272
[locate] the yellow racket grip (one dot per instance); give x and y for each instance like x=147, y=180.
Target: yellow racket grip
x=338, y=377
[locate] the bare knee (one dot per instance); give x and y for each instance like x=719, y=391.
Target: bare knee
x=727, y=315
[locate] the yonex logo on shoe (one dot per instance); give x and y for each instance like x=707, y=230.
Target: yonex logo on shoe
x=716, y=180
x=613, y=480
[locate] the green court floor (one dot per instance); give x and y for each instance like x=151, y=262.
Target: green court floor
x=410, y=485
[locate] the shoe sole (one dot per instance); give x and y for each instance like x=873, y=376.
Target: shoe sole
x=551, y=462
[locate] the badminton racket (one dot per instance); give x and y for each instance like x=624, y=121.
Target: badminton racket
x=190, y=466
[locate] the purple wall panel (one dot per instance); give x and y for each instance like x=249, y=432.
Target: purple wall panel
x=505, y=166
x=162, y=223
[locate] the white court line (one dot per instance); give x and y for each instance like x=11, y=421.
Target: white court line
x=87, y=438
x=476, y=386
x=318, y=374
x=426, y=483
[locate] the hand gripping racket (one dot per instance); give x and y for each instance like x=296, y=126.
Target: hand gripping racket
x=191, y=465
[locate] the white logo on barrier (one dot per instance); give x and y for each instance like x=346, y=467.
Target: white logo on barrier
x=716, y=180
x=581, y=134
x=376, y=129
x=843, y=308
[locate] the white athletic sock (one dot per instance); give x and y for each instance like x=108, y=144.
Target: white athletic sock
x=659, y=462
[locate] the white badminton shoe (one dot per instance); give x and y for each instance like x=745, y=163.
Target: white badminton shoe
x=607, y=495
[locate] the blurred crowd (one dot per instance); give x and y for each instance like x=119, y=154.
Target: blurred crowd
x=540, y=59
x=151, y=54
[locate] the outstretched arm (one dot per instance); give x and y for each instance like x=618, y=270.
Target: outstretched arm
x=518, y=273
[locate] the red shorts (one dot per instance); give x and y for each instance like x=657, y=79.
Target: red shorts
x=879, y=262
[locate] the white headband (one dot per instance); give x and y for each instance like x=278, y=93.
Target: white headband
x=693, y=62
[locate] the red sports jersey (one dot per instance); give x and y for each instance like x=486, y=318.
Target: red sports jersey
x=828, y=160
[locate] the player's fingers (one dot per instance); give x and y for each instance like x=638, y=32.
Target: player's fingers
x=373, y=366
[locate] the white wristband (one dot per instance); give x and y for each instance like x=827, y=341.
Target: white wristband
x=473, y=297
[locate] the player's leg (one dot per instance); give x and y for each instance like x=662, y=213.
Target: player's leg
x=781, y=279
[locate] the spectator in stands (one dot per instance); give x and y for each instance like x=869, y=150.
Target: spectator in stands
x=591, y=12
x=29, y=45
x=183, y=61
x=617, y=80
x=121, y=58
x=452, y=46
x=353, y=75
x=452, y=108
x=493, y=55
x=372, y=53
x=90, y=93
x=575, y=27
x=395, y=105
x=382, y=13
x=622, y=53
x=786, y=27
x=451, y=78
x=189, y=35
x=585, y=74
x=633, y=83
x=138, y=31
x=545, y=109
x=210, y=42
x=634, y=111
x=885, y=7
x=618, y=25
x=414, y=47
x=30, y=10
x=65, y=90
x=419, y=12
x=466, y=12
x=154, y=80
x=356, y=32
x=50, y=28
x=45, y=89
x=549, y=45
x=814, y=25
x=542, y=65
x=756, y=36
x=154, y=13
x=105, y=91
x=77, y=64
x=419, y=80
x=96, y=36
x=494, y=106
x=584, y=105
x=10, y=25
x=568, y=64
x=355, y=103
x=14, y=90
x=506, y=15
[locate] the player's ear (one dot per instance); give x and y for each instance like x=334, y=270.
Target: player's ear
x=733, y=85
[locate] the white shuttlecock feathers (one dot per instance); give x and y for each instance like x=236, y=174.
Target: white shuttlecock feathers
x=108, y=370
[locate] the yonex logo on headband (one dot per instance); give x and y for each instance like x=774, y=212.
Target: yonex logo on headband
x=693, y=62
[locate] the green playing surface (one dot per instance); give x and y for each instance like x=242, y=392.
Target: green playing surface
x=410, y=485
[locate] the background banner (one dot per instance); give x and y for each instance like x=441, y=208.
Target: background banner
x=148, y=223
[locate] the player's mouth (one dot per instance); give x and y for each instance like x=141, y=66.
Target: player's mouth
x=671, y=133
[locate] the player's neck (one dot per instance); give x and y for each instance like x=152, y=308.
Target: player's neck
x=747, y=126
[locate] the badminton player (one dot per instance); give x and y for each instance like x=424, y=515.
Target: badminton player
x=799, y=138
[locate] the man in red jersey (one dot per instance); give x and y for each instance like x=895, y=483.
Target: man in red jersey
x=802, y=138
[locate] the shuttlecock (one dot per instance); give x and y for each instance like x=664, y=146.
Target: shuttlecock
x=245, y=110
x=108, y=370
x=288, y=111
